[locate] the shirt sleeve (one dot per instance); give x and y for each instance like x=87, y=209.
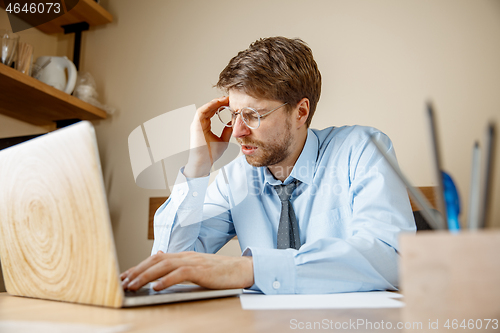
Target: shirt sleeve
x=193, y=218
x=366, y=259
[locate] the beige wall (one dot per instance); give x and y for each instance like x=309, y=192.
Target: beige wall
x=380, y=61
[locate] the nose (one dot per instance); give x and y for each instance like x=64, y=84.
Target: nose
x=240, y=129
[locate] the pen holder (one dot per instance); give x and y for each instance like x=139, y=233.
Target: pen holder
x=451, y=282
x=24, y=58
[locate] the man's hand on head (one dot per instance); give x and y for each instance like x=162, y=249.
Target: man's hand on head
x=205, y=146
x=206, y=270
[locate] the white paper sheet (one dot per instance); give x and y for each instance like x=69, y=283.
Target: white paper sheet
x=22, y=326
x=359, y=300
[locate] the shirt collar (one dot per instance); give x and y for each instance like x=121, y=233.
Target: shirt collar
x=303, y=169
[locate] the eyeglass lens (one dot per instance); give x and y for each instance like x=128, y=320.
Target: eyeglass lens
x=249, y=116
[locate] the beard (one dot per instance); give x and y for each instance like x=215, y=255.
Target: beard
x=270, y=153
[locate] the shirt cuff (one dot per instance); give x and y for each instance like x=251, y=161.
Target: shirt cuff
x=189, y=193
x=273, y=270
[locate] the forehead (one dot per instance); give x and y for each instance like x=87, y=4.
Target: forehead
x=239, y=99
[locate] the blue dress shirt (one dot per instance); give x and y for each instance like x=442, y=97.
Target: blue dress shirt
x=350, y=207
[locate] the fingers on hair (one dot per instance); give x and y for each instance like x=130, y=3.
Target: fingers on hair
x=276, y=68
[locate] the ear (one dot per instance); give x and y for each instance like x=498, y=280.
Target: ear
x=301, y=113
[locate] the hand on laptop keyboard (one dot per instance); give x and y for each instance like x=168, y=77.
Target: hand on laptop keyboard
x=207, y=270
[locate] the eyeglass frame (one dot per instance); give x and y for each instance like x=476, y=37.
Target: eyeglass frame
x=234, y=114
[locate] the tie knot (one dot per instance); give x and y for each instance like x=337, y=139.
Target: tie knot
x=285, y=191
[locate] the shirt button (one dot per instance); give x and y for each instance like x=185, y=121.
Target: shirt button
x=195, y=194
x=276, y=285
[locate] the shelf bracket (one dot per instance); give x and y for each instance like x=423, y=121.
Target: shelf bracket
x=77, y=28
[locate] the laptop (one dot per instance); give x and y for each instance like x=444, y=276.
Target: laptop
x=56, y=240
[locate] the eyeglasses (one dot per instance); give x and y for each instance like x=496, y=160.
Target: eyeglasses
x=250, y=116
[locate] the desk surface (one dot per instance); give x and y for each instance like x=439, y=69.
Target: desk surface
x=216, y=315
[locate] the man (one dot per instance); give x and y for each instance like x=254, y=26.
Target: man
x=315, y=211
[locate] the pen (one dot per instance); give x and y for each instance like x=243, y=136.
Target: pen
x=434, y=220
x=475, y=182
x=452, y=202
x=486, y=186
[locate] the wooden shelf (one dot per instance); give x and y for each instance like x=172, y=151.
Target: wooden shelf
x=25, y=98
x=85, y=11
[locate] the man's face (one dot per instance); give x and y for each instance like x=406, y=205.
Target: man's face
x=269, y=144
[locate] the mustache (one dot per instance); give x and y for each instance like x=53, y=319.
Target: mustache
x=254, y=143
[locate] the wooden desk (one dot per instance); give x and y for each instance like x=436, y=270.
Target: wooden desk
x=217, y=315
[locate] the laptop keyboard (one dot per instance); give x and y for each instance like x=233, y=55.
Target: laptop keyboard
x=179, y=288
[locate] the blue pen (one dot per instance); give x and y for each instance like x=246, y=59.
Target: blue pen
x=452, y=202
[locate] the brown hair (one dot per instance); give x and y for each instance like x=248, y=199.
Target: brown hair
x=275, y=68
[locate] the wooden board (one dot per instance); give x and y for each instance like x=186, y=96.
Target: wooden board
x=27, y=99
x=85, y=11
x=154, y=204
x=219, y=315
x=428, y=193
x=56, y=240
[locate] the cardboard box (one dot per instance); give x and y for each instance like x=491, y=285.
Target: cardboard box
x=451, y=282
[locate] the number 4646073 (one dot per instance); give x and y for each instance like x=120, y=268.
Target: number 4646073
x=34, y=8
x=472, y=324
